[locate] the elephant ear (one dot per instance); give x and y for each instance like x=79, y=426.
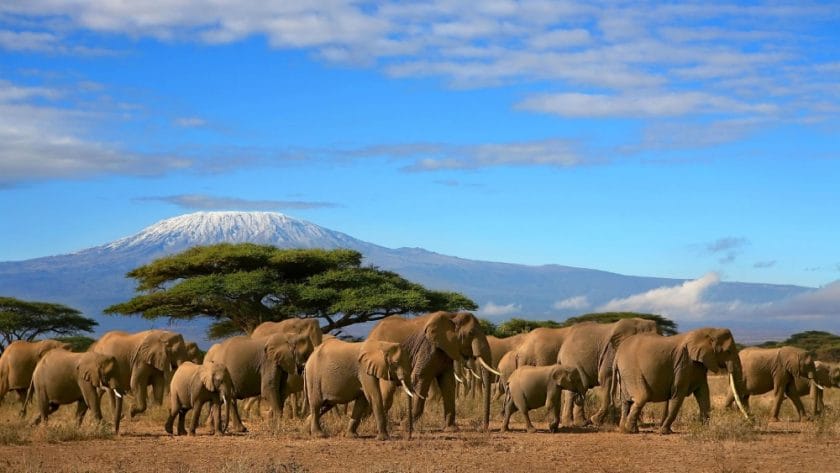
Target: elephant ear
x=151, y=351
x=279, y=349
x=89, y=370
x=373, y=358
x=205, y=374
x=701, y=348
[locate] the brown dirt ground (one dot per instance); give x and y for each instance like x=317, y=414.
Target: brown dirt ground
x=723, y=446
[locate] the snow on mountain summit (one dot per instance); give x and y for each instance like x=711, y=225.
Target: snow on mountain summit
x=205, y=228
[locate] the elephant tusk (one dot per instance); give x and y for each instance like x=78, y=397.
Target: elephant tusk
x=737, y=397
x=420, y=396
x=819, y=386
x=487, y=367
x=470, y=371
x=405, y=388
x=117, y=393
x=224, y=400
x=458, y=379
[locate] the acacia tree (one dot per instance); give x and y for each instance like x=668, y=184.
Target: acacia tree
x=28, y=320
x=239, y=286
x=664, y=325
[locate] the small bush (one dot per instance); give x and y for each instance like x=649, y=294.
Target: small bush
x=14, y=433
x=725, y=425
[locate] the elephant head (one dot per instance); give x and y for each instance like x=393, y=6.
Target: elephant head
x=440, y=332
x=570, y=380
x=472, y=340
x=176, y=348
x=46, y=345
x=216, y=379
x=388, y=361
x=797, y=362
x=289, y=353
x=194, y=354
x=827, y=375
x=102, y=372
x=152, y=351
x=715, y=349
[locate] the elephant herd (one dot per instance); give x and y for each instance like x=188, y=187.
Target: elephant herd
x=433, y=353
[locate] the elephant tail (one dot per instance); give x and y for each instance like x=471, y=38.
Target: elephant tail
x=614, y=391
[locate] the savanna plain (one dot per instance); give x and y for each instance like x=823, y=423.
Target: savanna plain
x=727, y=443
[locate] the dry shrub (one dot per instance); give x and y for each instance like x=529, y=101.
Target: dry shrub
x=726, y=425
x=14, y=432
x=68, y=431
x=246, y=465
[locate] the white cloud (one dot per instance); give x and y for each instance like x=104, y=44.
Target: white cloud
x=576, y=303
x=210, y=202
x=190, y=122
x=493, y=310
x=681, y=302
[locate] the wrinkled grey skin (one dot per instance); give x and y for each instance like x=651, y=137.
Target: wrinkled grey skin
x=18, y=362
x=64, y=377
x=194, y=385
x=530, y=387
x=653, y=368
x=340, y=372
x=777, y=370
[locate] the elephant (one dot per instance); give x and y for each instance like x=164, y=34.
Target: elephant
x=434, y=342
x=825, y=376
x=295, y=326
x=194, y=354
x=777, y=370
x=340, y=372
x=193, y=385
x=541, y=346
x=506, y=366
x=260, y=367
x=144, y=358
x=530, y=387
x=499, y=347
x=18, y=362
x=652, y=368
x=591, y=347
x=64, y=377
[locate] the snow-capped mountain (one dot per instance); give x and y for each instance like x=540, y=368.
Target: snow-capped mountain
x=93, y=279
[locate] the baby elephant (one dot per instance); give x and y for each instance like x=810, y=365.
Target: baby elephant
x=192, y=385
x=530, y=387
x=64, y=377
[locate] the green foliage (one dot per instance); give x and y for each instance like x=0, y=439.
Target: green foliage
x=516, y=326
x=78, y=343
x=664, y=325
x=26, y=320
x=243, y=285
x=825, y=345
x=488, y=327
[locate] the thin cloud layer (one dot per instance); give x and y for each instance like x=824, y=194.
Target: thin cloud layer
x=209, y=202
x=684, y=301
x=576, y=303
x=495, y=310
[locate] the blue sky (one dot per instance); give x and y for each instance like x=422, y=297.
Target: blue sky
x=664, y=140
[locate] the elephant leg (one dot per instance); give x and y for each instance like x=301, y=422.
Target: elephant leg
x=182, y=418
x=81, y=409
x=673, y=409
x=579, y=411
x=778, y=397
x=388, y=390
x=170, y=419
x=625, y=411
x=704, y=402
x=360, y=408
x=420, y=403
x=553, y=408
x=374, y=399
x=236, y=425
x=509, y=409
x=447, y=390
x=315, y=413
x=157, y=390
x=139, y=401
x=631, y=425
x=797, y=402
x=194, y=421
x=568, y=410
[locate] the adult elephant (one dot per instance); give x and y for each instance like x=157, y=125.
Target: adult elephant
x=825, y=376
x=260, y=367
x=64, y=377
x=434, y=342
x=652, y=368
x=340, y=372
x=541, y=346
x=295, y=326
x=145, y=359
x=194, y=354
x=590, y=348
x=499, y=347
x=777, y=370
x=18, y=362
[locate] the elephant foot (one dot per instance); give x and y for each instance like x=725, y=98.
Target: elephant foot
x=350, y=434
x=382, y=436
x=553, y=428
x=452, y=428
x=240, y=428
x=531, y=429
x=168, y=428
x=504, y=428
x=774, y=419
x=624, y=430
x=665, y=431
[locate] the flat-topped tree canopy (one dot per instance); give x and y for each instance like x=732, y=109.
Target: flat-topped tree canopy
x=243, y=285
x=28, y=320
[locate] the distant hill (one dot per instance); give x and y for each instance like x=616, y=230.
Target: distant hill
x=93, y=278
